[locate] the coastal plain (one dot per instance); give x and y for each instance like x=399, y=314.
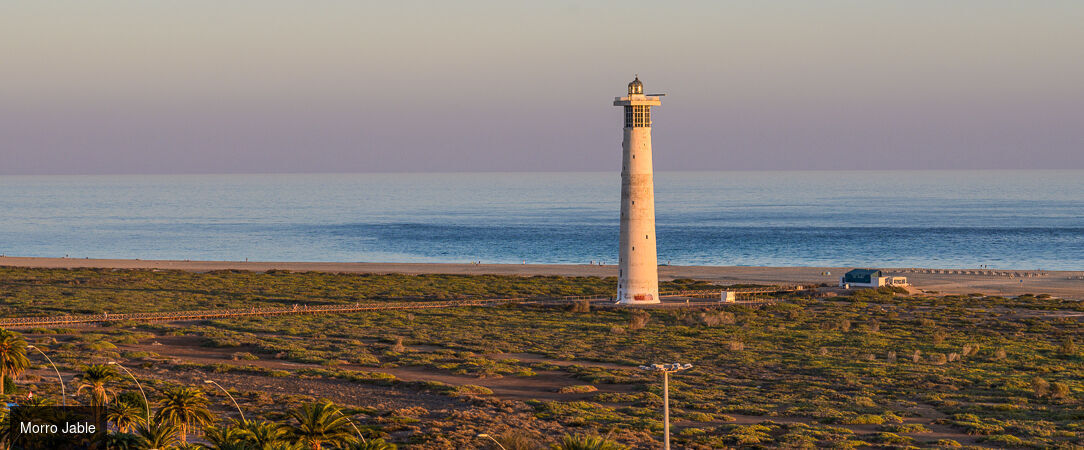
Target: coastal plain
x=834, y=368
x=1066, y=284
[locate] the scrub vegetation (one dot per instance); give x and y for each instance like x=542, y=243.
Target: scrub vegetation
x=874, y=368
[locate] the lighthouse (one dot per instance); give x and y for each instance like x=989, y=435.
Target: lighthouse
x=638, y=264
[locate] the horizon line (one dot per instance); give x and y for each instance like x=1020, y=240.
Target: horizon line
x=452, y=172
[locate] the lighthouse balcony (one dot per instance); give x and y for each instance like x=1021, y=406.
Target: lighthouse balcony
x=637, y=100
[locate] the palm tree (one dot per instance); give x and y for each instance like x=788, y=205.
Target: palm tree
x=122, y=441
x=264, y=435
x=124, y=415
x=157, y=435
x=12, y=356
x=226, y=438
x=373, y=444
x=183, y=407
x=287, y=445
x=320, y=423
x=587, y=442
x=94, y=379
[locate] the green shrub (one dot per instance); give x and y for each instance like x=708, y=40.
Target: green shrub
x=99, y=346
x=244, y=356
x=578, y=389
x=905, y=428
x=1004, y=440
x=471, y=389
x=889, y=438
x=863, y=419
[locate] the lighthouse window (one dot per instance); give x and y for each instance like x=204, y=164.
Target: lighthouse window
x=637, y=116
x=641, y=116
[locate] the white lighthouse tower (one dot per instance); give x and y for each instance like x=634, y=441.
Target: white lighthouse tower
x=638, y=266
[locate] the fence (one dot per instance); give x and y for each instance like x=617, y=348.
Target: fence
x=985, y=272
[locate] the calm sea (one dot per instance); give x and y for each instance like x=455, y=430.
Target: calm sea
x=1007, y=219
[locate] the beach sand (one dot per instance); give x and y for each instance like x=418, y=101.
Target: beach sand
x=1058, y=283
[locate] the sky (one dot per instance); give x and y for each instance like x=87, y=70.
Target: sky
x=198, y=86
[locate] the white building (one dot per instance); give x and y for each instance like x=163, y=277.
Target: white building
x=870, y=278
x=638, y=266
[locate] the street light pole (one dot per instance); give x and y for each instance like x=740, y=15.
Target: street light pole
x=243, y=420
x=63, y=390
x=146, y=403
x=352, y=424
x=666, y=370
x=486, y=436
x=666, y=409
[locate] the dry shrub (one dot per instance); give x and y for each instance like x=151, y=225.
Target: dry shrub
x=938, y=337
x=515, y=440
x=578, y=389
x=953, y=357
x=413, y=411
x=891, y=357
x=685, y=316
x=736, y=346
x=938, y=359
x=916, y=357
x=1040, y=387
x=1000, y=353
x=1059, y=390
x=398, y=347
x=638, y=319
x=823, y=351
x=969, y=350
x=875, y=326
x=869, y=357
x=844, y=325
x=617, y=329
x=716, y=318
x=1067, y=347
x=581, y=306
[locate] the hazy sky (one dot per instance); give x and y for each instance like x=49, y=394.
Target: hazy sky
x=194, y=86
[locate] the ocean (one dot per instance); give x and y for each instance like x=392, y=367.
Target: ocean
x=1019, y=219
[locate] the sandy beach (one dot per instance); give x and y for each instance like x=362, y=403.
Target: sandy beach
x=1059, y=283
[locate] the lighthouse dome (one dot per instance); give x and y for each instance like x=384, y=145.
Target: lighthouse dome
x=636, y=87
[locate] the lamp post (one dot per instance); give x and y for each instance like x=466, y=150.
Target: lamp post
x=666, y=370
x=486, y=436
x=363, y=441
x=243, y=420
x=63, y=390
x=146, y=403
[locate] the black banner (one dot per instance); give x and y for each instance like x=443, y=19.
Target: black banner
x=55, y=427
